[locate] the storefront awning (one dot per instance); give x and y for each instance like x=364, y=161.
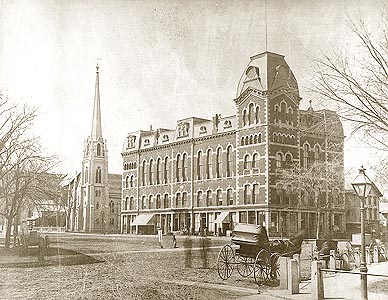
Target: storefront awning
x=142, y=220
x=221, y=217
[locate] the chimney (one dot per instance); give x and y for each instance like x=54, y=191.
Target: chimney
x=216, y=121
x=151, y=127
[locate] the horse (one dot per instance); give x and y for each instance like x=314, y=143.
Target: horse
x=288, y=247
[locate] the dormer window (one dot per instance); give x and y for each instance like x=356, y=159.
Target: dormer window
x=227, y=124
x=202, y=130
x=146, y=142
x=183, y=129
x=131, y=141
x=165, y=138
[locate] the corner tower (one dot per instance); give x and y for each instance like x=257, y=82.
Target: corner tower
x=94, y=175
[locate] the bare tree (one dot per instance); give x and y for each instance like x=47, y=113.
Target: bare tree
x=319, y=185
x=357, y=81
x=21, y=163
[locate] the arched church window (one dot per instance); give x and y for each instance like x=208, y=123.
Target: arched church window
x=98, y=175
x=112, y=206
x=98, y=150
x=131, y=181
x=86, y=175
x=257, y=116
x=255, y=161
x=244, y=117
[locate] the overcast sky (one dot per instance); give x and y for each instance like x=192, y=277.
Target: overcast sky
x=161, y=61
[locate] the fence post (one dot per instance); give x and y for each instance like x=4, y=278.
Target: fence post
x=293, y=278
x=297, y=257
x=283, y=273
x=317, y=289
x=332, y=260
x=375, y=254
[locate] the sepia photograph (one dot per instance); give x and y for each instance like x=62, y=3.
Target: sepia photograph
x=203, y=150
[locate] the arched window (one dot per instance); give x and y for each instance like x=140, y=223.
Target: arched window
x=143, y=204
x=257, y=117
x=229, y=197
x=288, y=162
x=126, y=181
x=158, y=171
x=255, y=194
x=150, y=201
x=246, y=162
x=247, y=140
x=98, y=175
x=166, y=201
x=283, y=107
x=199, y=199
x=178, y=200
x=219, y=198
x=151, y=172
x=251, y=113
x=131, y=203
x=251, y=140
x=111, y=206
x=178, y=168
x=209, y=168
x=219, y=163
x=317, y=152
x=143, y=173
x=229, y=161
x=199, y=165
x=131, y=183
x=247, y=195
x=184, y=167
x=255, y=161
x=255, y=139
x=259, y=138
x=242, y=141
x=158, y=202
x=166, y=172
x=98, y=150
x=126, y=203
x=209, y=199
x=279, y=160
x=305, y=156
x=244, y=117
x=184, y=199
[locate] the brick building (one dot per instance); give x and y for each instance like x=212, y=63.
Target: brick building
x=212, y=174
x=94, y=196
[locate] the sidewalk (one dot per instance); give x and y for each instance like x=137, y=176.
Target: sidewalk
x=337, y=286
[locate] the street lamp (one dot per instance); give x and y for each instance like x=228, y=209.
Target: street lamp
x=362, y=185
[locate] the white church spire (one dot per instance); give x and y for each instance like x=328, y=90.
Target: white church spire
x=96, y=122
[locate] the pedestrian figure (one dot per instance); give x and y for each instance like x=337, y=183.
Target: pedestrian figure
x=160, y=236
x=173, y=240
x=187, y=244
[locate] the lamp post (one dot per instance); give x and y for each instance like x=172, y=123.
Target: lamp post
x=362, y=185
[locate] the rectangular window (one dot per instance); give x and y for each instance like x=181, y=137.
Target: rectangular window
x=243, y=216
x=251, y=217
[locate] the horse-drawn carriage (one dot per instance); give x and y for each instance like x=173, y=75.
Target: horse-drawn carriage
x=31, y=238
x=253, y=253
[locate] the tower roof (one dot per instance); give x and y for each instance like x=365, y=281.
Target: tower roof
x=96, y=122
x=267, y=71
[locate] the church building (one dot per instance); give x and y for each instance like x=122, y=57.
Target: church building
x=93, y=194
x=210, y=174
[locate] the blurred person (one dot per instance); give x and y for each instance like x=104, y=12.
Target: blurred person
x=187, y=244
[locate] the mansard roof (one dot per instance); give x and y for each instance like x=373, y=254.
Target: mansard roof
x=187, y=128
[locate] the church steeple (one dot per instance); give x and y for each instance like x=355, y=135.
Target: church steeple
x=96, y=122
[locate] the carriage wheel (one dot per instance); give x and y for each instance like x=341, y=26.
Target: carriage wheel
x=245, y=265
x=260, y=267
x=274, y=266
x=225, y=262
